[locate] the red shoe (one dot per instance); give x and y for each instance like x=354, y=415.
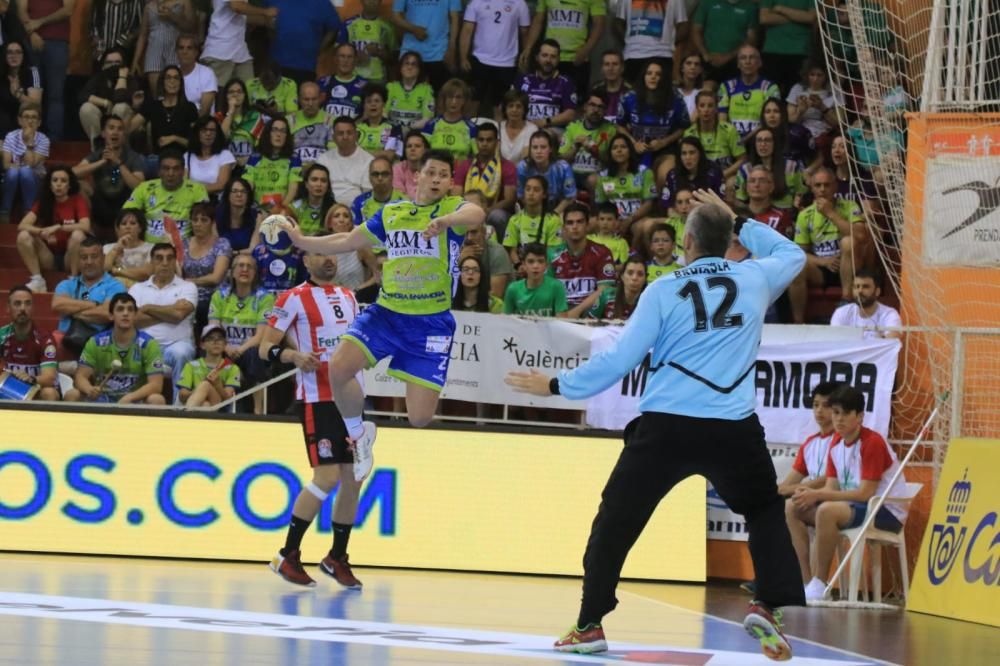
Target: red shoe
x=764, y=624
x=340, y=571
x=290, y=568
x=584, y=641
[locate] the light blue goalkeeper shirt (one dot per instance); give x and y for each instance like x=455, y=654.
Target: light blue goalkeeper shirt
x=703, y=323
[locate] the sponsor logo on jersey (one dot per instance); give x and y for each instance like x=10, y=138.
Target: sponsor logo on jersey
x=401, y=244
x=437, y=344
x=325, y=448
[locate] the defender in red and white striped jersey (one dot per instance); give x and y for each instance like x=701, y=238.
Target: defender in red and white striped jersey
x=311, y=318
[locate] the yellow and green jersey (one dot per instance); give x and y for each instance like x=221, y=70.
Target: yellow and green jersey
x=361, y=32
x=240, y=317
x=814, y=229
x=272, y=178
x=742, y=103
x=406, y=107
x=285, y=96
x=656, y=270
x=723, y=145
x=158, y=203
x=568, y=22
x=139, y=360
x=523, y=229
x=618, y=246
x=196, y=371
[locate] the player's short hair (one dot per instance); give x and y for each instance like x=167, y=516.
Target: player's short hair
x=826, y=389
x=536, y=249
x=122, y=297
x=663, y=226
x=438, y=156
x=847, y=398
x=711, y=230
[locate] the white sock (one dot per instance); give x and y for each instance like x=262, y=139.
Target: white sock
x=355, y=427
x=36, y=275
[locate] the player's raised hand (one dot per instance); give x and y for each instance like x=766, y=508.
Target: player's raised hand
x=710, y=197
x=533, y=382
x=434, y=227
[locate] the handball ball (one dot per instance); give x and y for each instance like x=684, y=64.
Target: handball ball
x=273, y=235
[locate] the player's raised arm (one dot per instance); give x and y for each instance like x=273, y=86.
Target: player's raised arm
x=358, y=239
x=468, y=215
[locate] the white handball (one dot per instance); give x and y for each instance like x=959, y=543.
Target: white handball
x=272, y=227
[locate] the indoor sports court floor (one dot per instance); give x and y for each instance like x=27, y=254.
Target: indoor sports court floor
x=108, y=611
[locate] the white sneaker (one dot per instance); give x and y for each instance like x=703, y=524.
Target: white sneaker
x=815, y=590
x=37, y=284
x=363, y=458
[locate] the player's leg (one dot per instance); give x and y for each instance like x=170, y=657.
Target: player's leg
x=345, y=509
x=831, y=517
x=646, y=470
x=421, y=361
x=798, y=522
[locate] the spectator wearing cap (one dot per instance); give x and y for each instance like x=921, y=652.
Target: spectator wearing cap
x=213, y=378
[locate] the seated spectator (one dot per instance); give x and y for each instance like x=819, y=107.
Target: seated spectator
x=26, y=351
x=538, y=294
x=271, y=94
x=535, y=223
x=82, y=301
x=811, y=103
x=797, y=142
x=542, y=160
x=585, y=142
x=24, y=154
x=583, y=266
x=226, y=51
x=869, y=149
x=355, y=270
x=166, y=201
x=764, y=148
x=24, y=84
x=683, y=204
x=721, y=141
x=382, y=192
x=311, y=126
x=279, y=268
x=760, y=188
x=208, y=161
x=347, y=162
x=313, y=202
x=515, y=131
x=496, y=266
x=487, y=172
x=166, y=118
x=718, y=30
x=200, y=84
x=236, y=216
x=859, y=466
x=206, y=259
x=828, y=230
x=112, y=172
x=51, y=232
x=613, y=85
x=240, y=122
x=115, y=24
x=411, y=98
x=551, y=96
x=129, y=259
x=607, y=233
x=620, y=302
x=404, y=172
x=375, y=39
x=452, y=130
x=695, y=172
x=240, y=306
x=655, y=116
x=662, y=245
x=162, y=23
x=342, y=90
x=274, y=172
x=376, y=135
x=473, y=293
x=121, y=365
x=741, y=99
x=166, y=309
x=865, y=311
x=213, y=378
x=111, y=91
x=627, y=184
x=692, y=82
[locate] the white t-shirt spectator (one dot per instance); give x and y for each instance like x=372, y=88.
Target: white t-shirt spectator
x=851, y=315
x=226, y=38
x=348, y=175
x=147, y=293
x=206, y=171
x=132, y=257
x=812, y=118
x=495, y=40
x=650, y=32
x=512, y=150
x=201, y=80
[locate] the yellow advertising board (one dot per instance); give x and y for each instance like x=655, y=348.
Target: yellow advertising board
x=223, y=489
x=958, y=567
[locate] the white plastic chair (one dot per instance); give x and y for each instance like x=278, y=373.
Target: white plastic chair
x=875, y=539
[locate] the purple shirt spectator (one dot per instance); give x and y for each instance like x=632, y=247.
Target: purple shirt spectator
x=547, y=97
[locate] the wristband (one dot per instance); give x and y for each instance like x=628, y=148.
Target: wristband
x=738, y=224
x=274, y=354
x=554, y=386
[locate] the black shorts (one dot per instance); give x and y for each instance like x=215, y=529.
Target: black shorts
x=325, y=434
x=489, y=83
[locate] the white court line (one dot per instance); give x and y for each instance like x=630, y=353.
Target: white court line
x=868, y=659
x=381, y=634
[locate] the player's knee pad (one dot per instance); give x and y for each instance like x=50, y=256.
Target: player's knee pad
x=316, y=491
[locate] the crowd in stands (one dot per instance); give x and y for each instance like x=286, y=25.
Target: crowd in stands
x=585, y=161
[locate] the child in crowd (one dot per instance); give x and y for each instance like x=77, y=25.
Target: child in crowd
x=662, y=260
x=24, y=153
x=538, y=294
x=607, y=233
x=213, y=378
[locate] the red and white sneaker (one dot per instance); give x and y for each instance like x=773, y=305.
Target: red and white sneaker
x=764, y=624
x=583, y=641
x=362, y=449
x=340, y=571
x=290, y=568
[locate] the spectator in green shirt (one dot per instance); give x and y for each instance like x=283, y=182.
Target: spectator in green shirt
x=538, y=294
x=213, y=378
x=721, y=27
x=789, y=38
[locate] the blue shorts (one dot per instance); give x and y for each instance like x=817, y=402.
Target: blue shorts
x=884, y=519
x=420, y=345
